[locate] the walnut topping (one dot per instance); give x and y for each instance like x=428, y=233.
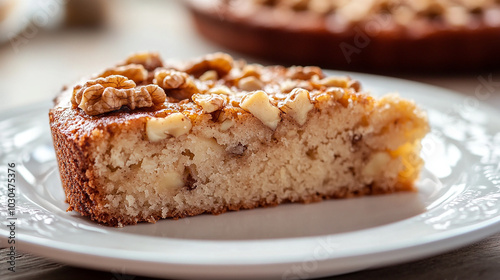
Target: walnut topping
x=304, y=73
x=111, y=93
x=264, y=92
x=177, y=84
x=297, y=105
x=220, y=90
x=257, y=103
x=150, y=60
x=336, y=93
x=175, y=125
x=250, y=83
x=219, y=62
x=134, y=72
x=341, y=82
x=247, y=71
x=288, y=85
x=209, y=75
x=210, y=102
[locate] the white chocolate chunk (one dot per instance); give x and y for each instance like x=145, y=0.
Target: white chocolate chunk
x=257, y=103
x=175, y=125
x=297, y=105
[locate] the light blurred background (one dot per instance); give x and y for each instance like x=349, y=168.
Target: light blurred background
x=45, y=44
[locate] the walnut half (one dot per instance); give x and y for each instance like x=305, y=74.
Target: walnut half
x=111, y=93
x=134, y=72
x=178, y=84
x=220, y=62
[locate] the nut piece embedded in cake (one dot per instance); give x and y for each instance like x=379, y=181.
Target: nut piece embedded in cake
x=111, y=93
x=210, y=75
x=175, y=125
x=297, y=104
x=258, y=104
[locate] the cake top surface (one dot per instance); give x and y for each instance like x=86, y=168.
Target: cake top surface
x=205, y=85
x=169, y=99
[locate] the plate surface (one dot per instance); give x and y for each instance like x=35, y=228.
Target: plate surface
x=458, y=202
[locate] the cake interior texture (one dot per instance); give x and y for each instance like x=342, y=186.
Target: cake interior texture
x=115, y=169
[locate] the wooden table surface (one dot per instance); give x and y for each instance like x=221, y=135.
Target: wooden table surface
x=36, y=68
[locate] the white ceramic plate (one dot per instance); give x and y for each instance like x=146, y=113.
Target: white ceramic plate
x=458, y=202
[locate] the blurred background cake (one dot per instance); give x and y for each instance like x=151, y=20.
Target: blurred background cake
x=366, y=35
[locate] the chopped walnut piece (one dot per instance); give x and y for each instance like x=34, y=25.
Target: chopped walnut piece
x=304, y=73
x=336, y=93
x=354, y=84
x=305, y=85
x=178, y=84
x=341, y=82
x=111, y=93
x=250, y=83
x=297, y=105
x=210, y=102
x=220, y=62
x=220, y=90
x=246, y=71
x=134, y=72
x=288, y=85
x=209, y=75
x=150, y=60
x=258, y=105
